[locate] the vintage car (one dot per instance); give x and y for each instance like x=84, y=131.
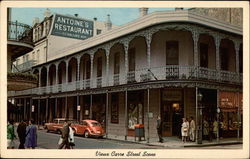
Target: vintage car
x=88, y=128
x=57, y=124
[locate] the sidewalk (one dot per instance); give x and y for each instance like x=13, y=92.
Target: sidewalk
x=175, y=142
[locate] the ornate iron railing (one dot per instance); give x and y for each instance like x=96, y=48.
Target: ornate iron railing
x=19, y=32
x=24, y=66
x=172, y=72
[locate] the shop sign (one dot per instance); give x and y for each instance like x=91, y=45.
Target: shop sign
x=78, y=108
x=172, y=95
x=33, y=108
x=229, y=101
x=72, y=27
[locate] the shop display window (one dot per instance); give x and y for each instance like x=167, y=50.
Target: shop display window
x=135, y=115
x=229, y=121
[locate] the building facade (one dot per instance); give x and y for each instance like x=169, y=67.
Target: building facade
x=156, y=65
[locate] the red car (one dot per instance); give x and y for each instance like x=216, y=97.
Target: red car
x=88, y=128
x=57, y=124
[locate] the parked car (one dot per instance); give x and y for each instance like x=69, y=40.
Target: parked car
x=57, y=124
x=89, y=128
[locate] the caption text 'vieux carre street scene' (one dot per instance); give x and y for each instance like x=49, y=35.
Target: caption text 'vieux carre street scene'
x=159, y=78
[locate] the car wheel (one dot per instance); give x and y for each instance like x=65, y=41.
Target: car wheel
x=86, y=134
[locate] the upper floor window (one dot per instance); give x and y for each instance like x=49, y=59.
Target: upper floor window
x=131, y=59
x=203, y=55
x=99, y=67
x=224, y=59
x=172, y=53
x=87, y=67
x=117, y=63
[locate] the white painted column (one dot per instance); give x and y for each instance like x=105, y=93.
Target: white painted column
x=107, y=66
x=195, y=36
x=92, y=70
x=47, y=76
x=237, y=49
x=217, y=54
x=126, y=45
x=148, y=41
x=56, y=73
x=40, y=77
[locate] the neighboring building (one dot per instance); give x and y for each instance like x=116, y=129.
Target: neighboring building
x=158, y=64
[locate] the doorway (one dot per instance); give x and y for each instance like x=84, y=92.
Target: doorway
x=171, y=112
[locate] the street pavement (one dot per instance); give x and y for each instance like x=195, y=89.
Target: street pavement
x=50, y=141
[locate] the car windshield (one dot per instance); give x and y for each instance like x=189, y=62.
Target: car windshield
x=95, y=124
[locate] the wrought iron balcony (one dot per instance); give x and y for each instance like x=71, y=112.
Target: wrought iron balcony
x=19, y=32
x=174, y=72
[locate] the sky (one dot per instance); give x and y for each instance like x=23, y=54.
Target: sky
x=118, y=16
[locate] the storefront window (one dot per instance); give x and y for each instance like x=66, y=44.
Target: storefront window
x=135, y=115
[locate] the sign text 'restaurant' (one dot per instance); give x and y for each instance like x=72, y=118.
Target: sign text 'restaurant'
x=72, y=27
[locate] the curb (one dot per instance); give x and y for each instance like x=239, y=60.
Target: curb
x=215, y=144
x=182, y=146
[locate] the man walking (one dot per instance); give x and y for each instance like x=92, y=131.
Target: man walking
x=159, y=128
x=65, y=136
x=21, y=131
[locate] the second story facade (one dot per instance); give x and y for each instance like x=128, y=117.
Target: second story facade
x=170, y=51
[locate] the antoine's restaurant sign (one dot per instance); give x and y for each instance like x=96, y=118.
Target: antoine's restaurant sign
x=72, y=27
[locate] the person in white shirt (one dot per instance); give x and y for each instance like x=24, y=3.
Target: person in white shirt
x=71, y=137
x=192, y=129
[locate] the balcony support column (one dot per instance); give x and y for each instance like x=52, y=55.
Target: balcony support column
x=126, y=46
x=217, y=54
x=66, y=107
x=107, y=112
x=47, y=76
x=90, y=109
x=107, y=49
x=56, y=73
x=148, y=41
x=126, y=114
x=55, y=107
x=47, y=107
x=195, y=36
x=25, y=107
x=40, y=77
x=92, y=70
x=237, y=49
x=38, y=111
x=78, y=68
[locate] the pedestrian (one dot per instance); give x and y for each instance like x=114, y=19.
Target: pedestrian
x=10, y=135
x=21, y=131
x=192, y=129
x=159, y=128
x=31, y=135
x=184, y=129
x=215, y=128
x=71, y=137
x=205, y=129
x=65, y=136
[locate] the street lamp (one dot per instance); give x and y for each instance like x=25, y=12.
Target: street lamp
x=199, y=96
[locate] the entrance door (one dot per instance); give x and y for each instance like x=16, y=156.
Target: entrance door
x=171, y=117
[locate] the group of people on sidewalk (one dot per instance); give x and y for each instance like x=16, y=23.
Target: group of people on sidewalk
x=188, y=128
x=27, y=134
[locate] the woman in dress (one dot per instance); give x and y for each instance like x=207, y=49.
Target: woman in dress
x=184, y=129
x=31, y=135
